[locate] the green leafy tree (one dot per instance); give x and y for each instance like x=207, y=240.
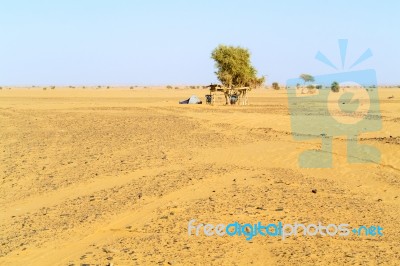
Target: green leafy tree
x=335, y=87
x=234, y=68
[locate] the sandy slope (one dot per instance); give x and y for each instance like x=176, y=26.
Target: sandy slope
x=113, y=176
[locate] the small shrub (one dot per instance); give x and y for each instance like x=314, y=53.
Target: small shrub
x=318, y=87
x=176, y=88
x=169, y=87
x=108, y=87
x=275, y=86
x=131, y=87
x=52, y=87
x=1, y=88
x=44, y=88
x=311, y=89
x=335, y=87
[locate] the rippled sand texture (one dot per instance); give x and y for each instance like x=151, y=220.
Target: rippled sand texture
x=97, y=176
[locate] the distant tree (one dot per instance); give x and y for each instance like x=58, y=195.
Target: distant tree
x=234, y=68
x=335, y=87
x=318, y=87
x=275, y=86
x=307, y=78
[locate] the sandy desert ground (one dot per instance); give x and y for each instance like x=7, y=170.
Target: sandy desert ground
x=112, y=176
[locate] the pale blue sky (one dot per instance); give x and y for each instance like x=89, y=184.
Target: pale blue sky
x=155, y=42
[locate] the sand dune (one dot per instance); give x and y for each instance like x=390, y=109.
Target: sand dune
x=101, y=176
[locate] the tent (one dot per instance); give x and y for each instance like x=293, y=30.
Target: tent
x=192, y=100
